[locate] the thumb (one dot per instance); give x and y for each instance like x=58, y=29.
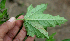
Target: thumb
x=5, y=27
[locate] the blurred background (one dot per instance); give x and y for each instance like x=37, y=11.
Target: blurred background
x=55, y=7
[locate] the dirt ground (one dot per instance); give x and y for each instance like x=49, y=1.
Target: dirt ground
x=55, y=7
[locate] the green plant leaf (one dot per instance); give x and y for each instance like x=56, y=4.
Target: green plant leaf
x=4, y=12
x=66, y=40
x=1, y=22
x=3, y=16
x=35, y=21
x=51, y=37
x=39, y=9
x=52, y=34
x=2, y=4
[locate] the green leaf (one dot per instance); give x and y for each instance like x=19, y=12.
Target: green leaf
x=36, y=22
x=52, y=34
x=39, y=9
x=2, y=4
x=1, y=22
x=3, y=16
x=4, y=12
x=51, y=37
x=30, y=8
x=66, y=40
x=19, y=15
x=37, y=30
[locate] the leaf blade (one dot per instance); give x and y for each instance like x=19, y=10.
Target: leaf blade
x=36, y=22
x=2, y=4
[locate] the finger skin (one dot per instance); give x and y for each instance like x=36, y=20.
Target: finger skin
x=30, y=38
x=5, y=27
x=10, y=35
x=21, y=35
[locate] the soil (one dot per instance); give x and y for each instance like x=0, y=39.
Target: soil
x=55, y=7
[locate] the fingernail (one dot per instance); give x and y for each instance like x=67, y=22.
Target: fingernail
x=12, y=19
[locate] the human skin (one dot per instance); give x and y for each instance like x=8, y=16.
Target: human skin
x=9, y=29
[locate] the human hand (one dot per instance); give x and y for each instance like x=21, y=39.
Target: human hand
x=9, y=29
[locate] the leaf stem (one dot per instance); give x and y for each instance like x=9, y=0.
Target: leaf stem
x=20, y=19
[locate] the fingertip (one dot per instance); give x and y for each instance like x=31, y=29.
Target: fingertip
x=20, y=17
